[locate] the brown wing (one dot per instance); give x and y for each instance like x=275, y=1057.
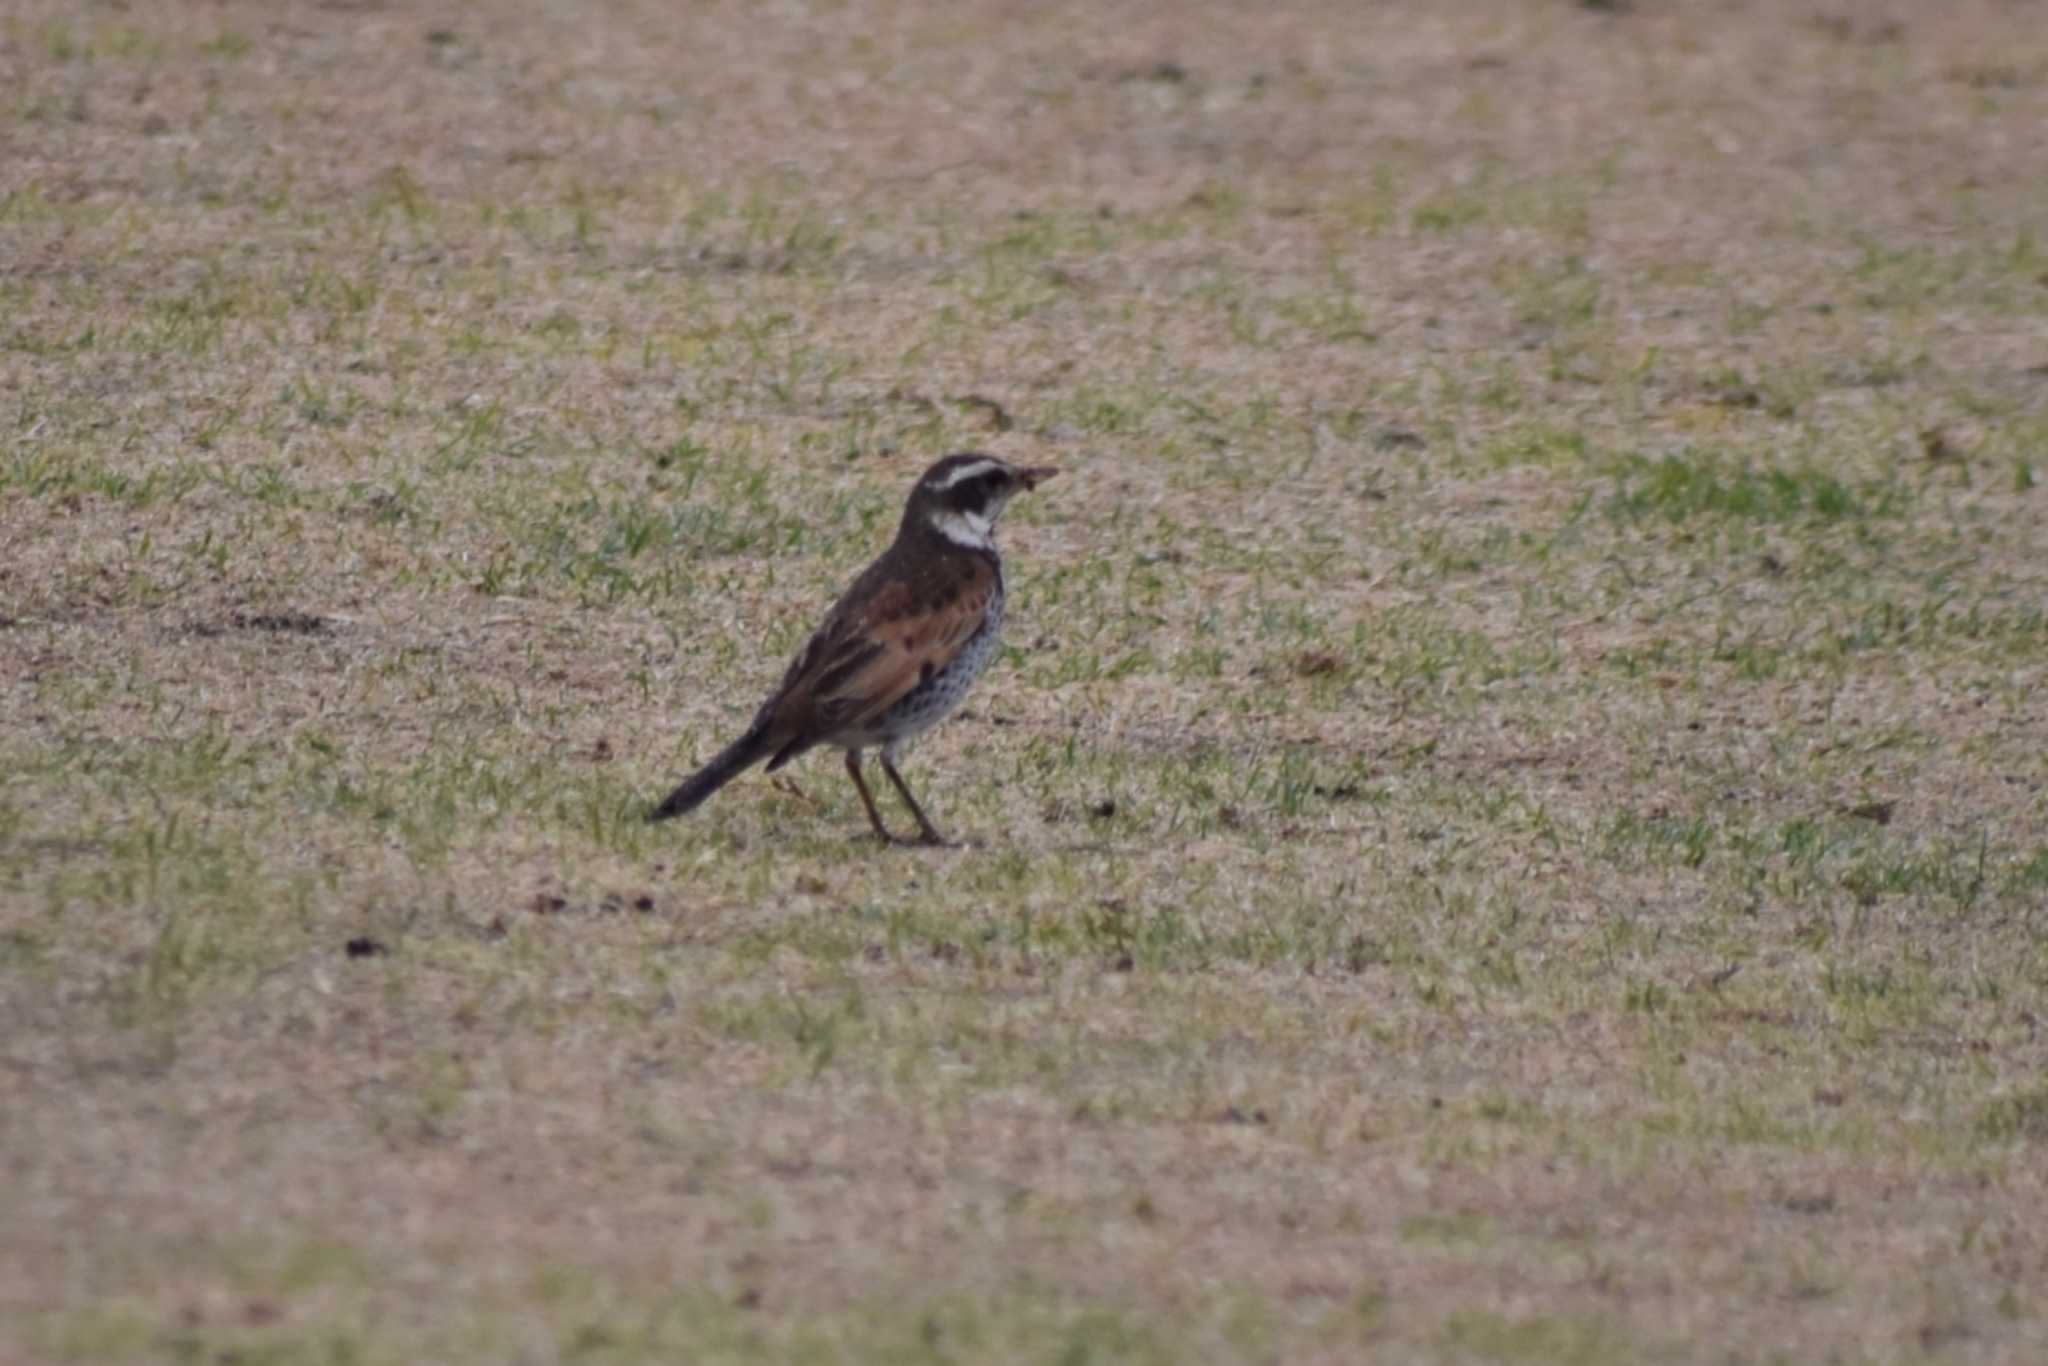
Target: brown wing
x=884, y=637
x=899, y=653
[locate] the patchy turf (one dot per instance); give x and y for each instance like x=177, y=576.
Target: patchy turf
x=1511, y=825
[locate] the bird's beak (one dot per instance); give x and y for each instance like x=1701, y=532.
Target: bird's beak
x=1035, y=475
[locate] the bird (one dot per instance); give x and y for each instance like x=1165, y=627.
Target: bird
x=898, y=651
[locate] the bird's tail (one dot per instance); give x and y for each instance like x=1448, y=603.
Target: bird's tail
x=733, y=760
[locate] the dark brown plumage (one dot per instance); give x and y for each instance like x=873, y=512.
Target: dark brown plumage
x=898, y=650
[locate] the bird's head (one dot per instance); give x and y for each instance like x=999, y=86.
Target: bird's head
x=962, y=495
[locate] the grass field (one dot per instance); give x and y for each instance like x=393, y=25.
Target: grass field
x=1511, y=823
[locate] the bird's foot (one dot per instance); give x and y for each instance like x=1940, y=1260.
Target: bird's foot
x=782, y=782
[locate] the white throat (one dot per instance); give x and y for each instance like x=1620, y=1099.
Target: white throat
x=970, y=530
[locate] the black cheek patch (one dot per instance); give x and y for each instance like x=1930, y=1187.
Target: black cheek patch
x=976, y=494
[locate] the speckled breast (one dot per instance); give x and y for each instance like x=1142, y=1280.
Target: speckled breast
x=928, y=703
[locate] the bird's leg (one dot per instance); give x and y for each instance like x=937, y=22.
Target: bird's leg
x=784, y=783
x=861, y=785
x=931, y=832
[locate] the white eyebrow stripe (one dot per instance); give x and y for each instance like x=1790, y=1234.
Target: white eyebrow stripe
x=973, y=471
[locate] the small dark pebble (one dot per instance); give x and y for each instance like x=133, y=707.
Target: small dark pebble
x=365, y=947
x=1935, y=445
x=1361, y=953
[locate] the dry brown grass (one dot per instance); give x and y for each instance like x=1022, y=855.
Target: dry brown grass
x=1513, y=828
